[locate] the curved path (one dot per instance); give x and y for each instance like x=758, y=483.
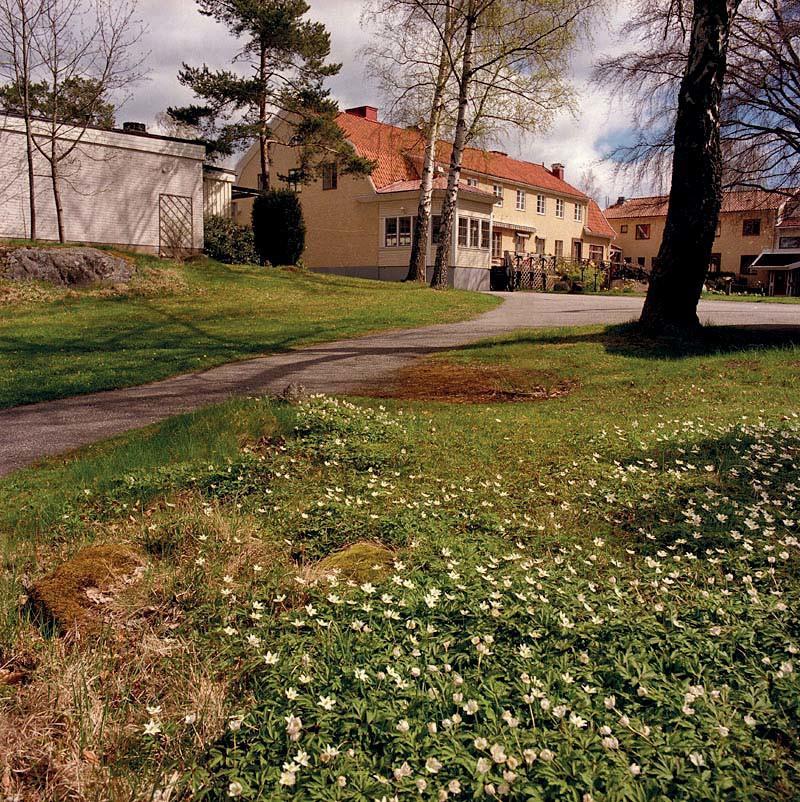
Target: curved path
x=28, y=433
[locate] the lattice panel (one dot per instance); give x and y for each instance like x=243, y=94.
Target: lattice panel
x=175, y=225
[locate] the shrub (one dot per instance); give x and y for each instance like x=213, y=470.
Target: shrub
x=229, y=243
x=278, y=227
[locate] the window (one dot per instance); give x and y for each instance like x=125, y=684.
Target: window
x=751, y=228
x=520, y=201
x=596, y=253
x=789, y=242
x=559, y=208
x=716, y=263
x=485, y=235
x=330, y=177
x=640, y=261
x=397, y=232
x=263, y=181
x=558, y=247
x=540, y=204
x=293, y=179
x=539, y=245
x=577, y=249
x=498, y=193
x=463, y=232
x=390, y=233
x=436, y=224
x=643, y=231
x=578, y=213
x=744, y=265
x=472, y=182
x=403, y=231
x=474, y=233
x=719, y=229
x=497, y=244
x=623, y=229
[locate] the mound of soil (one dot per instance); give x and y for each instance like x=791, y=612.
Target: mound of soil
x=66, y=267
x=437, y=380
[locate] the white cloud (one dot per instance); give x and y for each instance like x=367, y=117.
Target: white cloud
x=178, y=33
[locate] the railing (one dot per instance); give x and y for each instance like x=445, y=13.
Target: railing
x=544, y=273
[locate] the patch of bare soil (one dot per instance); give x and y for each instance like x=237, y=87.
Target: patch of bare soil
x=456, y=383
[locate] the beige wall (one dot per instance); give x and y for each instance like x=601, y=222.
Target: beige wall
x=110, y=190
x=548, y=227
x=729, y=243
x=217, y=194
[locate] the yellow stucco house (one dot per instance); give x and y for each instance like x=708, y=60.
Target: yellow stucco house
x=362, y=225
x=751, y=222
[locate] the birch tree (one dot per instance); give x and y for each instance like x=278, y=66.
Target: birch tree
x=514, y=56
x=411, y=60
x=18, y=21
x=87, y=51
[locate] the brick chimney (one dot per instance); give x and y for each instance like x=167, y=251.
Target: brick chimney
x=367, y=112
x=620, y=200
x=558, y=170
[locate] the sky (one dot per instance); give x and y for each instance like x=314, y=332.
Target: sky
x=176, y=32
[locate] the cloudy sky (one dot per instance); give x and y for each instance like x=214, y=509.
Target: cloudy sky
x=177, y=32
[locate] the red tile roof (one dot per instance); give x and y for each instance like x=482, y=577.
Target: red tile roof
x=597, y=222
x=438, y=183
x=746, y=200
x=398, y=151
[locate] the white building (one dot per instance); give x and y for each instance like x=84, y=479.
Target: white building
x=127, y=188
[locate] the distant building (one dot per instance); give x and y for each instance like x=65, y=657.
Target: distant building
x=362, y=225
x=122, y=187
x=749, y=224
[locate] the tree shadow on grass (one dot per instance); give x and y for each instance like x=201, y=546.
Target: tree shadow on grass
x=629, y=340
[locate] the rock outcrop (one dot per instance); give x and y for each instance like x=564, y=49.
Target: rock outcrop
x=66, y=267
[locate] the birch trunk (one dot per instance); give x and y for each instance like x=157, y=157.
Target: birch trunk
x=695, y=198
x=442, y=265
x=417, y=266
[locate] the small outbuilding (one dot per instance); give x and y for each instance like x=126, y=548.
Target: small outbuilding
x=124, y=187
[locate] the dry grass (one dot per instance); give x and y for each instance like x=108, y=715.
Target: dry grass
x=470, y=383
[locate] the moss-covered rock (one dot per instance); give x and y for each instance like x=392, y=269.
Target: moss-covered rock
x=360, y=562
x=68, y=598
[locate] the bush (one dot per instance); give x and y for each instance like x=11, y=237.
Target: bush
x=278, y=227
x=229, y=243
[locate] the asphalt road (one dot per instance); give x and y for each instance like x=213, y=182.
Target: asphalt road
x=29, y=433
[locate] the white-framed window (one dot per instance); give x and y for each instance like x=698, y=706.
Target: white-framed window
x=397, y=231
x=463, y=232
x=539, y=245
x=473, y=232
x=497, y=244
x=541, y=204
x=578, y=213
x=497, y=189
x=520, y=200
x=560, y=207
x=558, y=247
x=472, y=182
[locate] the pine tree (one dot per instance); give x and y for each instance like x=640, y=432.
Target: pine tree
x=286, y=58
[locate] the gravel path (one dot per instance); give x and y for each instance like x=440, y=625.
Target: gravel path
x=28, y=433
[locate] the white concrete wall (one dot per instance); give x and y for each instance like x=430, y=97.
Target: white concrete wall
x=110, y=187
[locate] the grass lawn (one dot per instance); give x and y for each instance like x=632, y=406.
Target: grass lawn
x=186, y=318
x=593, y=595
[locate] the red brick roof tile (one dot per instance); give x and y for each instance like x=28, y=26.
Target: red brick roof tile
x=597, y=222
x=397, y=151
x=732, y=201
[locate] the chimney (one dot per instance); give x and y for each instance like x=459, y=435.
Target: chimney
x=367, y=112
x=620, y=200
x=558, y=170
x=134, y=128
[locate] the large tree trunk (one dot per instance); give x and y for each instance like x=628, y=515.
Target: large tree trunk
x=442, y=265
x=695, y=197
x=417, y=265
